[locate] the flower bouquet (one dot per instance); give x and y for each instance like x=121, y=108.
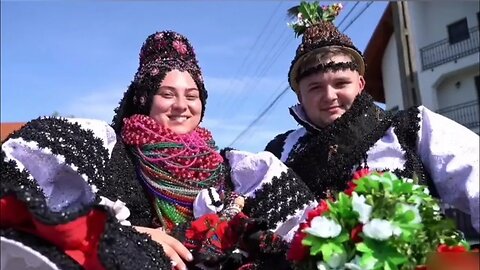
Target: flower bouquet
x=381, y=222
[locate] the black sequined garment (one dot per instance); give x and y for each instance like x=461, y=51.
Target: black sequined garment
x=53, y=174
x=325, y=158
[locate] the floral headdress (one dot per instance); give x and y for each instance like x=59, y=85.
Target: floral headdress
x=161, y=52
x=315, y=24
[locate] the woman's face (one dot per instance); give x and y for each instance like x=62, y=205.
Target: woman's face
x=177, y=104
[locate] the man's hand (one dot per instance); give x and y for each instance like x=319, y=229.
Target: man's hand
x=175, y=250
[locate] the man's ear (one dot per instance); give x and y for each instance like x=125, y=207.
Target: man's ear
x=361, y=84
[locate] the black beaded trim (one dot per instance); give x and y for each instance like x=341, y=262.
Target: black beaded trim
x=406, y=125
x=276, y=145
x=328, y=67
x=325, y=158
x=123, y=248
x=228, y=184
x=55, y=255
x=124, y=185
x=275, y=201
x=12, y=177
x=272, y=250
x=29, y=193
x=79, y=147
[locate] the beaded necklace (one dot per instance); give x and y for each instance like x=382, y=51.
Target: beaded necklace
x=173, y=167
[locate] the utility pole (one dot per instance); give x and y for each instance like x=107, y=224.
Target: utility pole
x=406, y=54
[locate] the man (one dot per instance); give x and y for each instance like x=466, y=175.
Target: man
x=343, y=130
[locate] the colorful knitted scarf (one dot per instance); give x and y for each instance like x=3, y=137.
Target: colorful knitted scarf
x=173, y=167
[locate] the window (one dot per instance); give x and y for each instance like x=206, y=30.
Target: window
x=458, y=31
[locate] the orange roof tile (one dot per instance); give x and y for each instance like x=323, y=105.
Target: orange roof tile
x=7, y=128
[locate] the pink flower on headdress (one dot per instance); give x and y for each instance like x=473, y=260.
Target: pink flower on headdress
x=154, y=71
x=158, y=36
x=143, y=100
x=325, y=8
x=180, y=47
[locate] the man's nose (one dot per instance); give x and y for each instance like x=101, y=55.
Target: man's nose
x=331, y=93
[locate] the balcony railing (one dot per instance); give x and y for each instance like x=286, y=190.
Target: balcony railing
x=466, y=113
x=442, y=51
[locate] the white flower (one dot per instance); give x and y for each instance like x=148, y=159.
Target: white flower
x=323, y=227
x=355, y=264
x=322, y=266
x=379, y=229
x=364, y=210
x=406, y=207
x=337, y=259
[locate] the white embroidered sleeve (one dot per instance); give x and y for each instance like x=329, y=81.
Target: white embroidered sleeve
x=450, y=153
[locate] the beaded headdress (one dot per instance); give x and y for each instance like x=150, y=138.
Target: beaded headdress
x=161, y=52
x=315, y=24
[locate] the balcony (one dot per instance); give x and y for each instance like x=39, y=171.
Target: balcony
x=466, y=114
x=442, y=51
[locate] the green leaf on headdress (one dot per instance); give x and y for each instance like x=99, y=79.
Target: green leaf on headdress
x=308, y=14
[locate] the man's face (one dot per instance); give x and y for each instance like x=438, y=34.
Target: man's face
x=325, y=96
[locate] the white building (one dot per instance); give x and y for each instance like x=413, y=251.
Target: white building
x=444, y=38
x=445, y=53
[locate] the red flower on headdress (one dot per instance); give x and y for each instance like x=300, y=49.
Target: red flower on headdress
x=180, y=47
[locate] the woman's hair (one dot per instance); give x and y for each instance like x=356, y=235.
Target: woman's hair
x=161, y=53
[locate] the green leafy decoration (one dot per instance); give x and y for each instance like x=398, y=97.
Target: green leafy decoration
x=308, y=14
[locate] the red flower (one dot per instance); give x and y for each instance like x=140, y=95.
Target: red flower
x=445, y=248
x=356, y=176
x=355, y=233
x=361, y=173
x=318, y=211
x=351, y=188
x=297, y=251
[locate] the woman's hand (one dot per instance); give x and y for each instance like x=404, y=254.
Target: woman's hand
x=175, y=250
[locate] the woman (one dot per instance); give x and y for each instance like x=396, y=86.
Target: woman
x=176, y=161
x=167, y=172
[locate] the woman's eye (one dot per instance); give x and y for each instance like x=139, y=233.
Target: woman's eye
x=192, y=97
x=166, y=95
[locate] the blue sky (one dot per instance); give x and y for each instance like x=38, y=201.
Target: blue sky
x=77, y=58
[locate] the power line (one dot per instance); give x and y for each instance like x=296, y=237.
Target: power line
x=259, y=116
x=251, y=52
x=358, y=15
x=348, y=14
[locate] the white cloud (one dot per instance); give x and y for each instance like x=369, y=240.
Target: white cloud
x=99, y=104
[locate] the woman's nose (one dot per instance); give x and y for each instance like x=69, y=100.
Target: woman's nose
x=180, y=103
